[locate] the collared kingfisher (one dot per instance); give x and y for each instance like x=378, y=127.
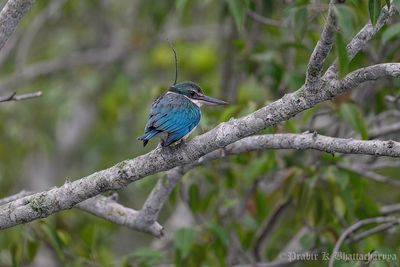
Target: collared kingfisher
x=175, y=114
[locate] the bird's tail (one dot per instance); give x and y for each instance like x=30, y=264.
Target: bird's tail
x=147, y=136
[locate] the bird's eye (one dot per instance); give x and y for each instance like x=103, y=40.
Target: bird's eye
x=192, y=93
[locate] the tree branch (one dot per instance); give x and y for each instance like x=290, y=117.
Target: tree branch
x=374, y=230
x=10, y=16
x=43, y=204
x=384, y=130
x=370, y=73
x=108, y=209
x=77, y=59
x=322, y=48
x=14, y=97
x=362, y=38
x=355, y=227
x=266, y=21
x=364, y=171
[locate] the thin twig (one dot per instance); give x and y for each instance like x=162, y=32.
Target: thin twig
x=367, y=173
x=374, y=230
x=269, y=224
x=355, y=227
x=14, y=97
x=264, y=20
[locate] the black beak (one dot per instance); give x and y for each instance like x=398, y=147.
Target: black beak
x=210, y=100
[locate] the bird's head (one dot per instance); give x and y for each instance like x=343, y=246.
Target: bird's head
x=195, y=94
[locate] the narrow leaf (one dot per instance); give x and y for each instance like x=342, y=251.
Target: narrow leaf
x=346, y=20
x=32, y=247
x=300, y=22
x=391, y=32
x=374, y=10
x=184, y=239
x=343, y=58
x=238, y=9
x=396, y=3
x=352, y=115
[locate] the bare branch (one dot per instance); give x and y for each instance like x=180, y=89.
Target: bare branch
x=370, y=73
x=374, y=230
x=268, y=226
x=390, y=209
x=362, y=38
x=108, y=209
x=14, y=97
x=364, y=171
x=384, y=130
x=43, y=204
x=355, y=227
x=10, y=16
x=322, y=49
x=91, y=57
x=21, y=194
x=264, y=20
x=159, y=195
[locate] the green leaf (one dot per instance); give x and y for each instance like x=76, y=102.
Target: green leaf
x=300, y=22
x=221, y=233
x=308, y=241
x=391, y=32
x=396, y=3
x=342, y=179
x=352, y=115
x=340, y=206
x=343, y=58
x=53, y=239
x=147, y=256
x=238, y=9
x=374, y=10
x=32, y=247
x=184, y=239
x=181, y=5
x=346, y=19
x=194, y=197
x=16, y=254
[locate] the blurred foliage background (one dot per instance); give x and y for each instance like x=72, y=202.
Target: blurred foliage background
x=101, y=63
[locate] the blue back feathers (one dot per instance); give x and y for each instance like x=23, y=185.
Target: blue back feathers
x=172, y=116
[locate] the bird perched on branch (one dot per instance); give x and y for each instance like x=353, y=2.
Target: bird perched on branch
x=175, y=114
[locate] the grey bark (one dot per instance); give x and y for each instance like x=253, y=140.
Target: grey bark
x=10, y=16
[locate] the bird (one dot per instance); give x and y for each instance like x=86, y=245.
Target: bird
x=175, y=114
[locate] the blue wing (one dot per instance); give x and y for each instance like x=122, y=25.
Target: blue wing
x=171, y=114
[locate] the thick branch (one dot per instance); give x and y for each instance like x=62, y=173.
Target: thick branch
x=48, y=202
x=370, y=73
x=159, y=195
x=322, y=49
x=10, y=16
x=108, y=209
